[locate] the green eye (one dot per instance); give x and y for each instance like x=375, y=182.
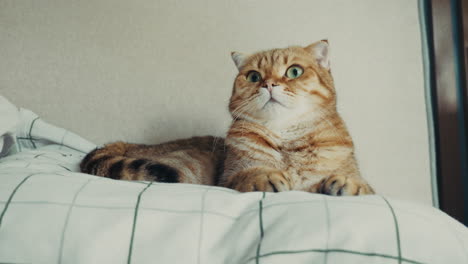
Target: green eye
x=254, y=76
x=294, y=71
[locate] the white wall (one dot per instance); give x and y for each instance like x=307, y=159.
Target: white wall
x=148, y=71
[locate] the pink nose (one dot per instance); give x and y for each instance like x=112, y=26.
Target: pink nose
x=269, y=85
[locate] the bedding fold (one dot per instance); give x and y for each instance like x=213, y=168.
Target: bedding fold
x=23, y=129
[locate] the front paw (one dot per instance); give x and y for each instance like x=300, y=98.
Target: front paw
x=343, y=185
x=261, y=179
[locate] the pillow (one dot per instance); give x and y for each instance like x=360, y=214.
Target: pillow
x=49, y=213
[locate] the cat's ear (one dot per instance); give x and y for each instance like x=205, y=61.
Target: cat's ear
x=320, y=50
x=238, y=58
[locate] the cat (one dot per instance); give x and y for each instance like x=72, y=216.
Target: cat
x=286, y=134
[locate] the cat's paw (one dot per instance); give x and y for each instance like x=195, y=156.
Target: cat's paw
x=343, y=185
x=261, y=179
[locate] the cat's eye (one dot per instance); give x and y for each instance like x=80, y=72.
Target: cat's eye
x=254, y=76
x=294, y=71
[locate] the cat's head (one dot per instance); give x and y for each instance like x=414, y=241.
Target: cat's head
x=283, y=84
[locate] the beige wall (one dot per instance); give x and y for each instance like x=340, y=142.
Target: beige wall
x=149, y=71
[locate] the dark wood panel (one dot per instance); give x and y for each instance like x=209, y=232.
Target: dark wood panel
x=451, y=161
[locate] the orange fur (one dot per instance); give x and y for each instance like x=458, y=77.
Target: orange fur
x=292, y=134
x=286, y=135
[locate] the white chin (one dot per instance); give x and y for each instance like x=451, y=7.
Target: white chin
x=273, y=103
x=273, y=110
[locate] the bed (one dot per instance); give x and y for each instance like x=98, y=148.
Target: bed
x=52, y=213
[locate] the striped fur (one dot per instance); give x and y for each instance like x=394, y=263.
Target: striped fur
x=286, y=134
x=195, y=160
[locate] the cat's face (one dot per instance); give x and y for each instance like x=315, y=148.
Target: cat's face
x=282, y=84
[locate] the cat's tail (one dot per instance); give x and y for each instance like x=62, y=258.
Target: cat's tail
x=111, y=161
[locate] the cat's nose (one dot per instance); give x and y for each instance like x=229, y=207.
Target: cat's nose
x=269, y=85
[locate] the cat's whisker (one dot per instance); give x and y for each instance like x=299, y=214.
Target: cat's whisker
x=236, y=114
x=294, y=143
x=237, y=111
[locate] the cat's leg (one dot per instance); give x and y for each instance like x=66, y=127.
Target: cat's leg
x=259, y=179
x=339, y=185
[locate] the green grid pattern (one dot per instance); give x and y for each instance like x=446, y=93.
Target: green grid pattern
x=260, y=218
x=67, y=219
x=332, y=250
x=327, y=250
x=201, y=212
x=68, y=157
x=202, y=218
x=26, y=134
x=135, y=218
x=214, y=213
x=30, y=132
x=397, y=229
x=7, y=204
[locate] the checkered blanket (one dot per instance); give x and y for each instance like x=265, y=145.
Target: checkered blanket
x=51, y=213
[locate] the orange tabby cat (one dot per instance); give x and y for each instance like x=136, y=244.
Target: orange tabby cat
x=286, y=134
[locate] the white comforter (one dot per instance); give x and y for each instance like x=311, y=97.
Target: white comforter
x=51, y=213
